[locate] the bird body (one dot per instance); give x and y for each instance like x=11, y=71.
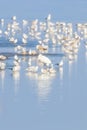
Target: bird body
x=2, y=65
x=2, y=57
x=16, y=68
x=44, y=59
x=33, y=69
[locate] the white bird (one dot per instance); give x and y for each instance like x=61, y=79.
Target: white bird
x=52, y=69
x=16, y=57
x=11, y=39
x=16, y=68
x=32, y=52
x=33, y=69
x=25, y=36
x=48, y=70
x=15, y=40
x=44, y=70
x=48, y=17
x=18, y=48
x=16, y=62
x=42, y=47
x=24, y=51
x=24, y=40
x=24, y=22
x=2, y=65
x=2, y=21
x=0, y=32
x=60, y=64
x=14, y=18
x=6, y=33
x=2, y=57
x=44, y=59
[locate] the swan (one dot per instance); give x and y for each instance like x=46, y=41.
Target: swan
x=44, y=59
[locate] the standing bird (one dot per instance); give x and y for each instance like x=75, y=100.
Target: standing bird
x=31, y=68
x=16, y=67
x=2, y=65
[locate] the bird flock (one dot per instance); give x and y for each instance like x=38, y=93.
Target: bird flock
x=45, y=35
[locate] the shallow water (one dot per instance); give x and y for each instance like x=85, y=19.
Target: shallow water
x=44, y=101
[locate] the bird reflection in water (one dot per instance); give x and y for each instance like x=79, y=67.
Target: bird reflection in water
x=31, y=75
x=16, y=77
x=2, y=77
x=86, y=52
x=61, y=73
x=86, y=56
x=44, y=82
x=1, y=107
x=70, y=62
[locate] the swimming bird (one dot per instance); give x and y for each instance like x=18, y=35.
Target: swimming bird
x=16, y=68
x=18, y=48
x=13, y=18
x=24, y=22
x=2, y=65
x=2, y=21
x=2, y=57
x=52, y=69
x=42, y=47
x=44, y=70
x=16, y=57
x=33, y=69
x=16, y=62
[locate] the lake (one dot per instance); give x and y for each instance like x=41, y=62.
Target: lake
x=39, y=101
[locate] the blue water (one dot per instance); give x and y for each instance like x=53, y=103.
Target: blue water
x=37, y=101
x=45, y=102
